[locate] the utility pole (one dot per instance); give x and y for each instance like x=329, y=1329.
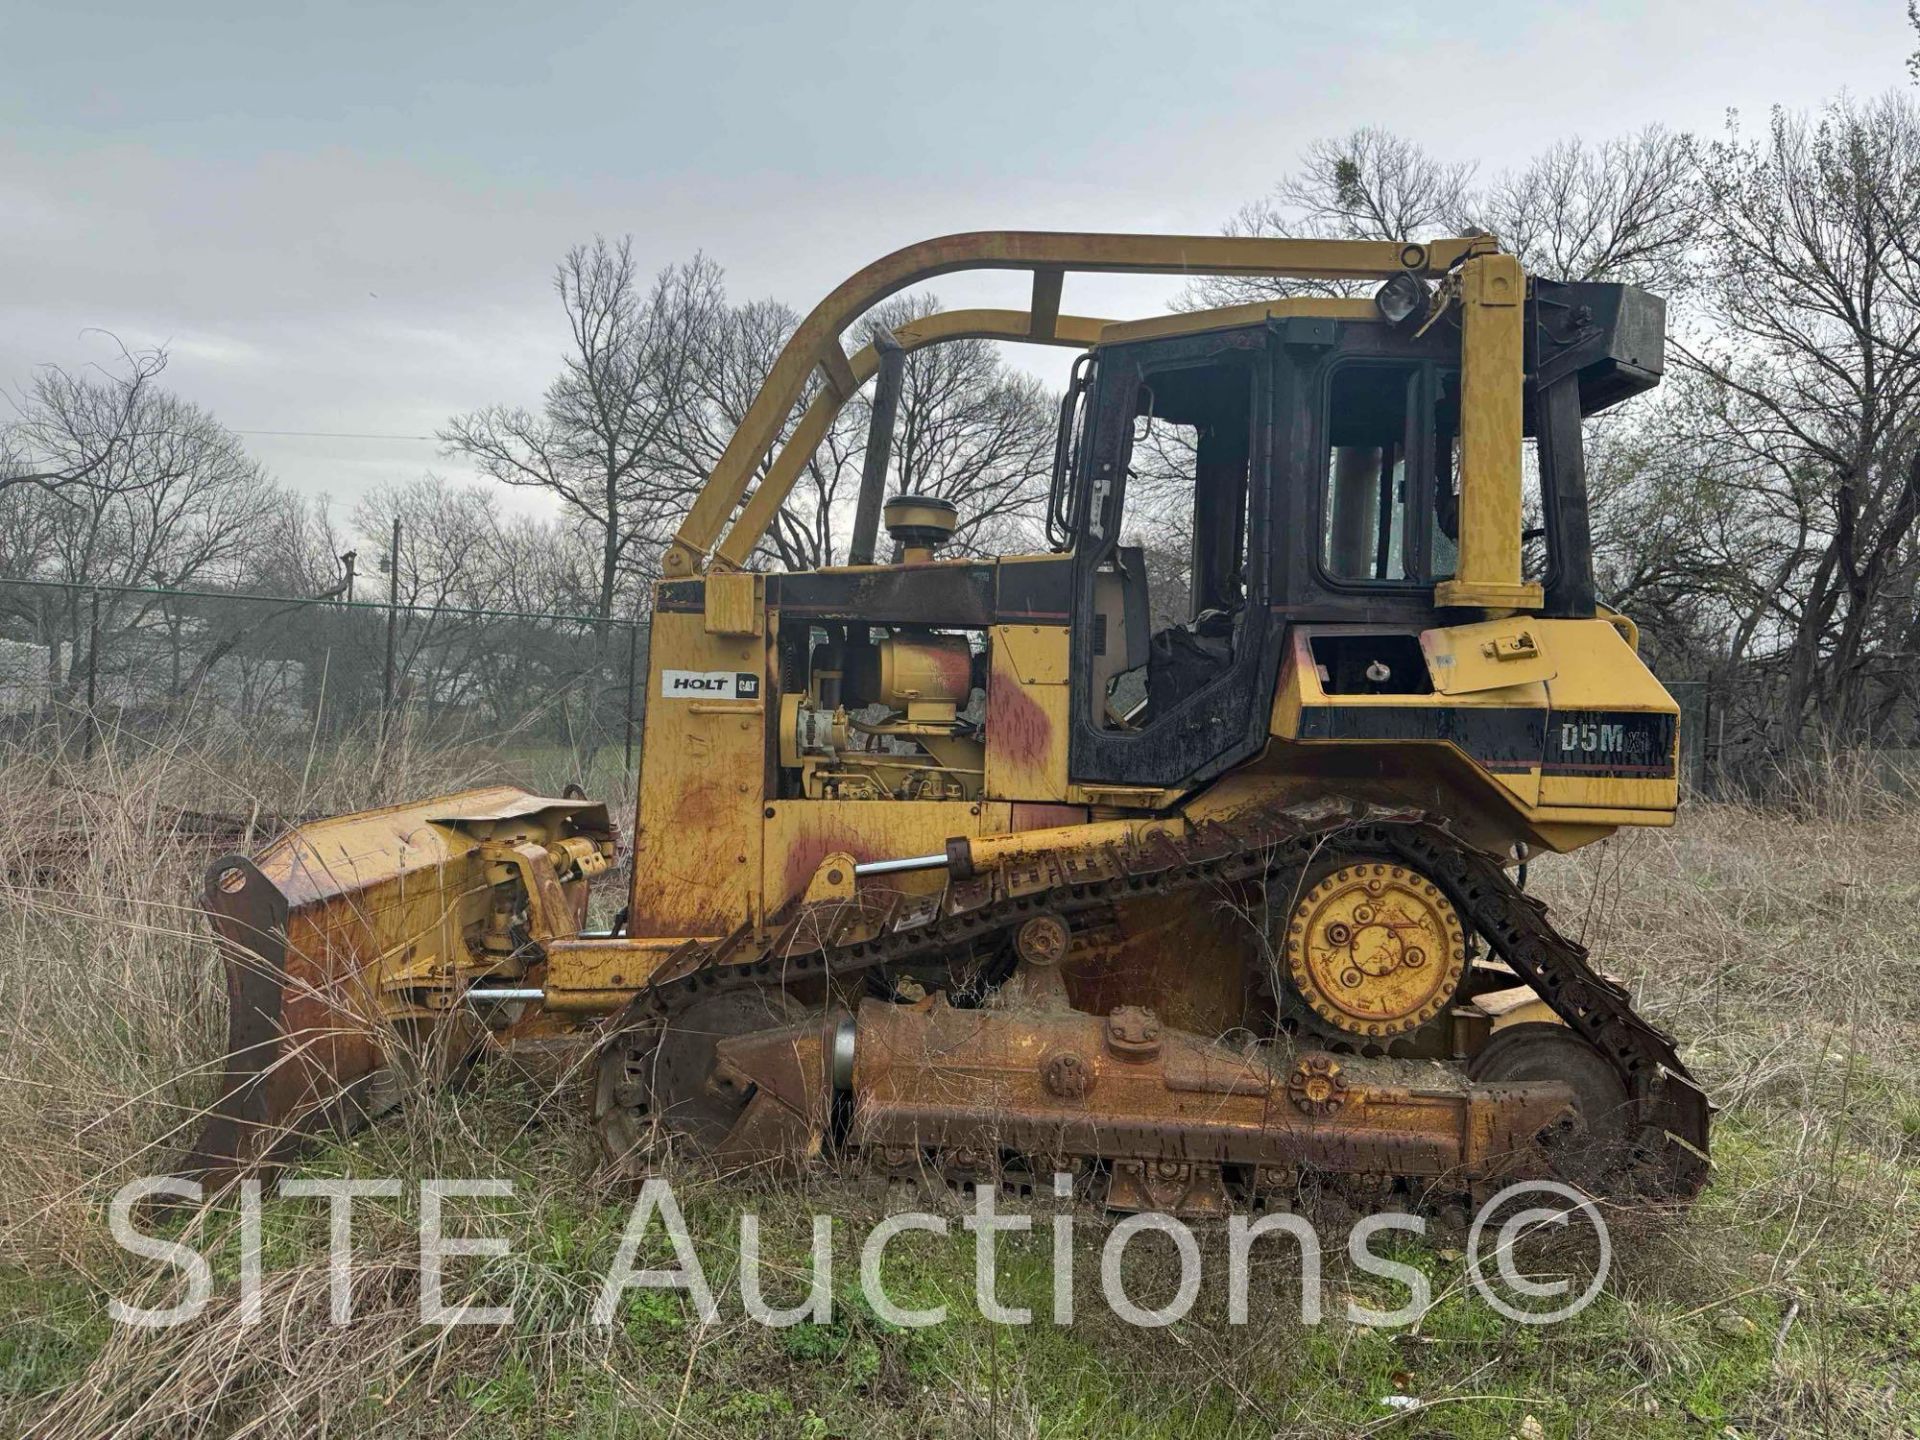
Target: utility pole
x=93, y=675
x=393, y=622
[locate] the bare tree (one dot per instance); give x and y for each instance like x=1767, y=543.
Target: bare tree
x=298, y=550
x=1371, y=184
x=27, y=532
x=159, y=496
x=970, y=429
x=746, y=341
x=1624, y=209
x=74, y=430
x=1683, y=537
x=1619, y=210
x=1814, y=287
x=597, y=442
x=1368, y=184
x=975, y=431
x=476, y=583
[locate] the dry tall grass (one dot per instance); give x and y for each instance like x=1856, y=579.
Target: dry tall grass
x=1779, y=945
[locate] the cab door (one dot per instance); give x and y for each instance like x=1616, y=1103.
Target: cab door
x=1171, y=523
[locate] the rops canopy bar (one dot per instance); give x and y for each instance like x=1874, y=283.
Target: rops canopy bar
x=1048, y=255
x=737, y=548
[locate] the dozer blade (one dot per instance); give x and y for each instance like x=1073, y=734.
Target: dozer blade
x=348, y=943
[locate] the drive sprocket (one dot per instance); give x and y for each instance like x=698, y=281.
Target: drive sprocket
x=1374, y=949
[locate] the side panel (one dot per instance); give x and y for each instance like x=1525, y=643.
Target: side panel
x=703, y=776
x=1502, y=731
x=1614, y=735
x=1599, y=736
x=1027, y=725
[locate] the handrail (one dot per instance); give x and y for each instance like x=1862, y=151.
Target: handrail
x=1048, y=255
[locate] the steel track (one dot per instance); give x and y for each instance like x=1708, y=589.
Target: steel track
x=834, y=941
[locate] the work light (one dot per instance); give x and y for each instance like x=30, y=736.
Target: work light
x=1405, y=294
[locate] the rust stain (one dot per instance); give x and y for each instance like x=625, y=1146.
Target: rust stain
x=1017, y=726
x=705, y=806
x=681, y=871
x=1029, y=815
x=804, y=858
x=686, y=874
x=1187, y=962
x=956, y=671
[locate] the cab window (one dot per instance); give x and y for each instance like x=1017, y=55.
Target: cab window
x=1188, y=524
x=1389, y=504
x=1364, y=503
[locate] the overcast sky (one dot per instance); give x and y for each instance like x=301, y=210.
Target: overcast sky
x=344, y=217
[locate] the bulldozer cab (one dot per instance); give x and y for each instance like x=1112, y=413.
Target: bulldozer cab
x=1173, y=481
x=1214, y=487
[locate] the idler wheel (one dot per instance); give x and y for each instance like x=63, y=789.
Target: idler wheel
x=1596, y=1150
x=660, y=1082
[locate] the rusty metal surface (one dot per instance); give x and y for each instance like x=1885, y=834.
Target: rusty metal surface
x=1182, y=956
x=742, y=1077
x=346, y=854
x=932, y=1080
x=346, y=943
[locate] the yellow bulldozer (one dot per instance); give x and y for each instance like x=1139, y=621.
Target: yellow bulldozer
x=966, y=869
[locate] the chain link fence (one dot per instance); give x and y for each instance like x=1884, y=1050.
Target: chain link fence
x=1697, y=755
x=78, y=663
x=1729, y=750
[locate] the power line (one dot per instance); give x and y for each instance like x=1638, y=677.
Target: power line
x=333, y=434
x=454, y=611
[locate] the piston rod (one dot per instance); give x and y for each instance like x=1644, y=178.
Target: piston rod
x=897, y=867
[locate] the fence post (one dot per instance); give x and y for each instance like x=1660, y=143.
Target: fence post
x=633, y=655
x=1708, y=751
x=93, y=674
x=1720, y=753
x=393, y=624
